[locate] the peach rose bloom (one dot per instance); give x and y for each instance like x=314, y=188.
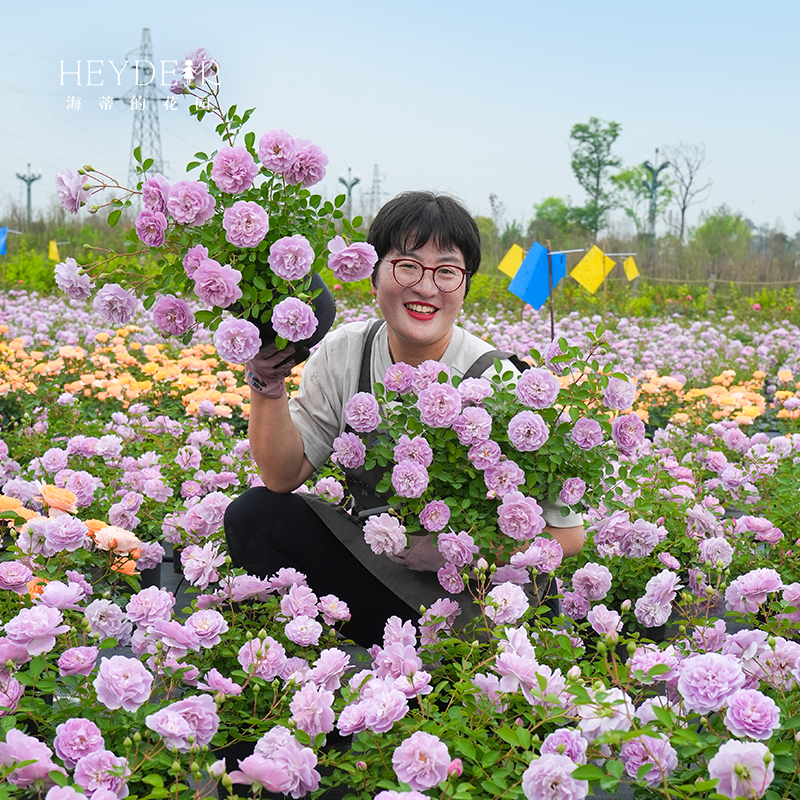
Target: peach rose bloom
x=9, y=503
x=117, y=539
x=59, y=499
x=125, y=566
x=94, y=525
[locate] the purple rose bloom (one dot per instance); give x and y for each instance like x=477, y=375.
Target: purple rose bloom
x=216, y=284
x=485, y=455
x=65, y=533
x=384, y=534
x=155, y=192
x=708, y=680
x=435, y=516
x=294, y=320
x=75, y=739
x=655, y=751
x=362, y=412
x=291, y=257
x=639, y=539
x=751, y=714
x=416, y=449
x=628, y=432
x=277, y=151
x=592, y=580
x=749, y=591
x=77, y=661
x=353, y=262
x=216, y=682
x=503, y=478
x=572, y=491
x=245, y=223
x=565, y=742
x=506, y=603
x=551, y=776
x=209, y=625
x=474, y=391
x=61, y=595
x=473, y=425
x=349, y=451
x=151, y=227
x=172, y=315
x=450, y=580
x=194, y=257
x=18, y=748
x=586, y=433
x=427, y=373
x=189, y=203
x=537, y=388
x=544, y=555
x=149, y=605
x=575, y=605
x=619, y=394
x=114, y=304
x=123, y=683
x=70, y=280
x=70, y=191
x=457, y=548
x=520, y=517
x=100, y=772
x=312, y=709
x=14, y=576
x=409, y=479
x=743, y=769
x=421, y=761
x=237, y=341
x=199, y=715
x=716, y=549
x=36, y=629
x=527, y=431
x=263, y=658
x=605, y=621
x=399, y=378
x=233, y=170
x=308, y=164
x=11, y=691
x=439, y=405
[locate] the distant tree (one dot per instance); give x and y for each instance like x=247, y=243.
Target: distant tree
x=556, y=213
x=632, y=195
x=591, y=163
x=721, y=239
x=686, y=161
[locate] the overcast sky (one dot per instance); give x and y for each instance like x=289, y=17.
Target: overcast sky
x=471, y=98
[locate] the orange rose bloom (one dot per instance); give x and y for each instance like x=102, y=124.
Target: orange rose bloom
x=62, y=499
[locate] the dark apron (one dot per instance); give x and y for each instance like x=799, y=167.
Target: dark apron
x=415, y=588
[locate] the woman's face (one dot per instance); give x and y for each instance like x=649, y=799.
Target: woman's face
x=419, y=318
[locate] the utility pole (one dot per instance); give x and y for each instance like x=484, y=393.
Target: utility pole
x=349, y=184
x=376, y=193
x=652, y=186
x=29, y=179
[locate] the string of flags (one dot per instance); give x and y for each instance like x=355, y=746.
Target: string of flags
x=530, y=274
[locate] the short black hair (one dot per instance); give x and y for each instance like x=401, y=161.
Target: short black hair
x=410, y=220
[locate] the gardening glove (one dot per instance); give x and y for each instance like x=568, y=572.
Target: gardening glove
x=267, y=372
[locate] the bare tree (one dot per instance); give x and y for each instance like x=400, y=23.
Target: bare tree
x=686, y=161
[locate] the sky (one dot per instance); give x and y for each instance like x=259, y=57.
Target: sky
x=464, y=97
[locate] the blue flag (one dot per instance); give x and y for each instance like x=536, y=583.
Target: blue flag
x=532, y=283
x=3, y=233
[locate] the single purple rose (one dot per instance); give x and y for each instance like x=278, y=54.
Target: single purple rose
x=551, y=773
x=450, y=580
x=537, y=388
x=565, y=742
x=409, y=479
x=155, y=192
x=572, y=491
x=123, y=683
x=416, y=449
x=421, y=761
x=435, y=516
x=294, y=320
x=233, y=170
x=36, y=629
x=474, y=391
x=619, y=394
x=70, y=191
x=742, y=769
x=194, y=257
x=485, y=455
x=351, y=263
x=628, y=432
x=384, y=534
x=458, y=549
x=527, y=431
x=18, y=748
x=506, y=603
x=503, y=477
x=749, y=591
x=72, y=281
x=399, y=377
x=362, y=412
x=14, y=576
x=291, y=257
x=439, y=405
x=605, y=621
x=172, y=315
x=593, y=581
x=707, y=681
x=307, y=166
x=277, y=151
x=237, y=341
x=349, y=451
x=520, y=517
x=151, y=227
x=194, y=718
x=473, y=425
x=217, y=284
x=76, y=738
x=102, y=774
x=77, y=661
x=114, y=304
x=654, y=751
x=189, y=203
x=751, y=714
x=586, y=433
x=245, y=223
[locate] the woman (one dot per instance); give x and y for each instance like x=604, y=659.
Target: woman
x=428, y=249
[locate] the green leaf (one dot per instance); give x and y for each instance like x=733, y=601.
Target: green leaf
x=249, y=137
x=615, y=768
x=113, y=217
x=588, y=772
x=509, y=735
x=466, y=748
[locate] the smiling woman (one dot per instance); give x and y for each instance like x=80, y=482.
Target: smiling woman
x=428, y=249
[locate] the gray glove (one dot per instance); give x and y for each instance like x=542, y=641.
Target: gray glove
x=267, y=372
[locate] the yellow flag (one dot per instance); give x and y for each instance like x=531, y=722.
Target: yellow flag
x=631, y=270
x=590, y=271
x=511, y=260
x=52, y=253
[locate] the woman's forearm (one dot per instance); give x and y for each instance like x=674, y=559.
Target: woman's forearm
x=276, y=444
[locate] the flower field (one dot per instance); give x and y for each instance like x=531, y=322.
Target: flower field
x=673, y=667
